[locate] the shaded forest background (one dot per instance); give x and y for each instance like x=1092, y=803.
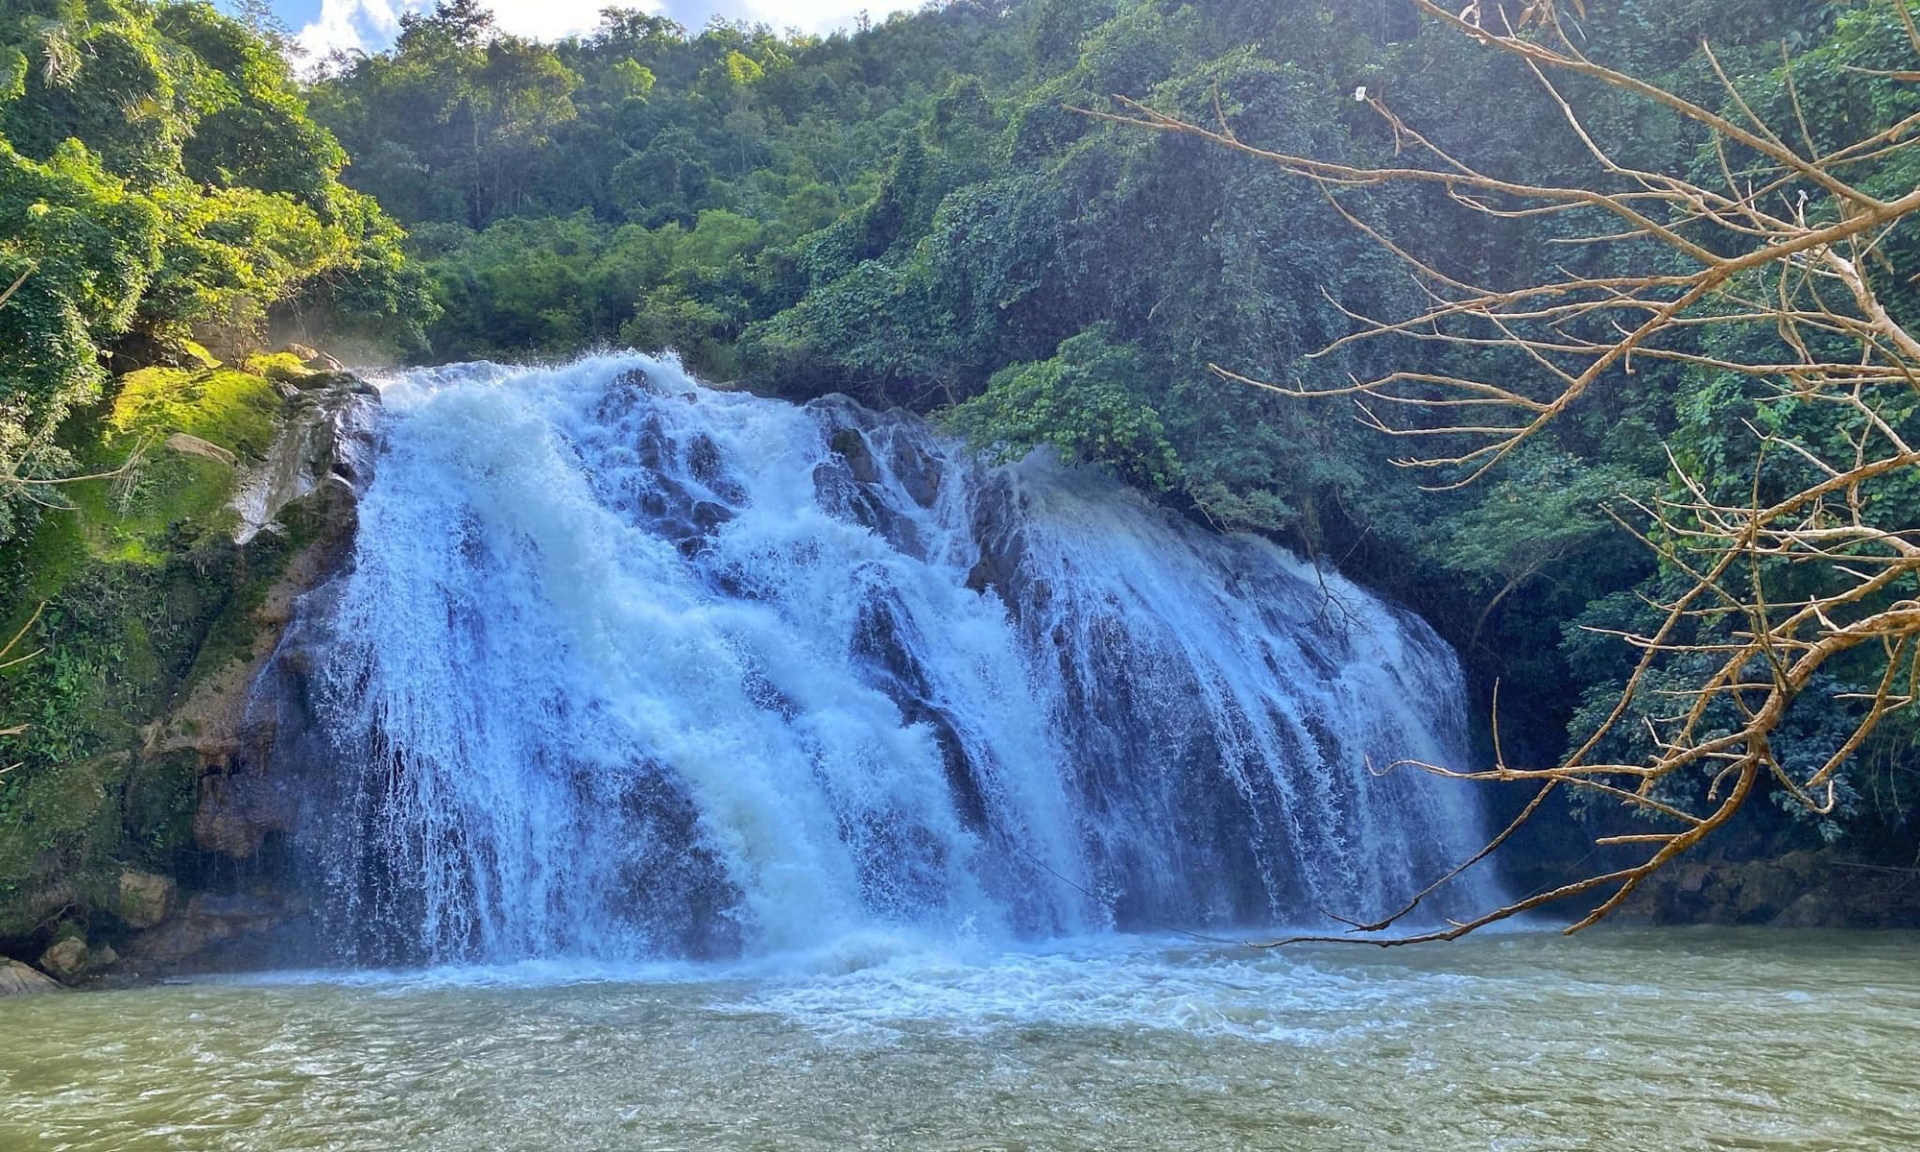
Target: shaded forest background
x=921, y=213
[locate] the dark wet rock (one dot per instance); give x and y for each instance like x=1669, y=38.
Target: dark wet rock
x=996, y=532
x=709, y=516
x=879, y=644
x=1816, y=909
x=673, y=884
x=844, y=497
x=707, y=465
x=1766, y=892
x=1805, y=889
x=852, y=447
x=209, y=923
x=767, y=695
x=854, y=485
x=241, y=803
x=663, y=497
x=656, y=451
x=667, y=499
x=968, y=799
x=887, y=655
x=916, y=471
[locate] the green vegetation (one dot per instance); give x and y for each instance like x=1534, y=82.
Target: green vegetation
x=163, y=192
x=144, y=593
x=161, y=184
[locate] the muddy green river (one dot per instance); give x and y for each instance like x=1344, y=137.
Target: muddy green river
x=1623, y=1041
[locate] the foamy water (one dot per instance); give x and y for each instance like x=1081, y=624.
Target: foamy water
x=627, y=667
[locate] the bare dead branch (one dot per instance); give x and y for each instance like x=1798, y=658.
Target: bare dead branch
x=1778, y=251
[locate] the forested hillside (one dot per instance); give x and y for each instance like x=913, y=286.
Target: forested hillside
x=926, y=214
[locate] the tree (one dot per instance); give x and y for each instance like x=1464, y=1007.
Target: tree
x=1084, y=403
x=1788, y=549
x=267, y=26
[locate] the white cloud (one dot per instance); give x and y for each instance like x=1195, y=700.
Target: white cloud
x=349, y=24
x=809, y=15
x=369, y=25
x=552, y=19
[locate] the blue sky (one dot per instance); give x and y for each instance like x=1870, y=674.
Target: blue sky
x=327, y=24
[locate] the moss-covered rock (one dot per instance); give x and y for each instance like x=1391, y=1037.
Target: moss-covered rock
x=65, y=959
x=286, y=365
x=146, y=605
x=145, y=899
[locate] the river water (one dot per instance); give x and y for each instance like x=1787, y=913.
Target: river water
x=1616, y=1040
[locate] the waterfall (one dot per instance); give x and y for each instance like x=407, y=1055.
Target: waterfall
x=626, y=666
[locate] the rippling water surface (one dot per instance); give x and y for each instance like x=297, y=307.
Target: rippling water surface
x=1621, y=1041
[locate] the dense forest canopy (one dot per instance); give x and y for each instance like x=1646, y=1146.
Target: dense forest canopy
x=924, y=212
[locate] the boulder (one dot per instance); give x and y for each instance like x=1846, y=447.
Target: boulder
x=208, y=921
x=16, y=979
x=1765, y=889
x=145, y=899
x=65, y=958
x=1815, y=909
x=917, y=471
x=852, y=447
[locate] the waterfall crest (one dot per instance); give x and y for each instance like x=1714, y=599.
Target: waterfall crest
x=627, y=666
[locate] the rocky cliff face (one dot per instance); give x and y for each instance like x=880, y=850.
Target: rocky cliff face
x=1806, y=889
x=137, y=832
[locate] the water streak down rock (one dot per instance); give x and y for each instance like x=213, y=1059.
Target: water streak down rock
x=624, y=666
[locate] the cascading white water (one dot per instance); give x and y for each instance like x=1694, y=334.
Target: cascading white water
x=627, y=666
